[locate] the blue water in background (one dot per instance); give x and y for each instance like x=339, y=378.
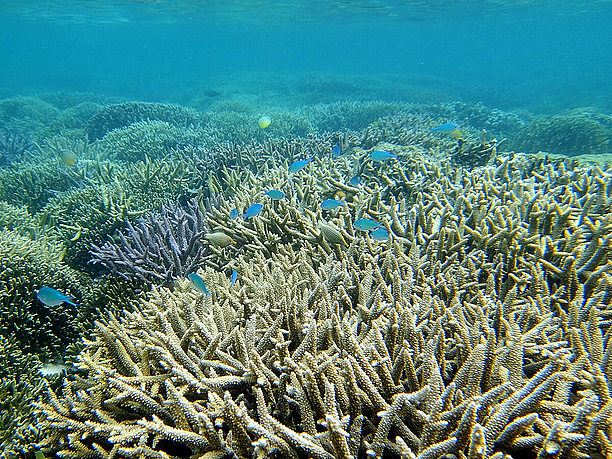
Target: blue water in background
x=543, y=56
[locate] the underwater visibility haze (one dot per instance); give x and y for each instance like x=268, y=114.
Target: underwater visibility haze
x=324, y=229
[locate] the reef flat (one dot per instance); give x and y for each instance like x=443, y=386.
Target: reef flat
x=478, y=327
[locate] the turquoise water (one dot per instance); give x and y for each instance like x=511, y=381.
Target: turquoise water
x=540, y=54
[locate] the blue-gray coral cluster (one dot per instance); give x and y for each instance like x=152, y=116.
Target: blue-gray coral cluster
x=13, y=146
x=158, y=248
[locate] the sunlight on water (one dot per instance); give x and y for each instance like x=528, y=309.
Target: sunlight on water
x=260, y=11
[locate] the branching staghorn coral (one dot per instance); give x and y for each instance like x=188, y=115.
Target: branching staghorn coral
x=64, y=100
x=33, y=184
x=73, y=119
x=518, y=208
x=255, y=156
x=26, y=114
x=147, y=138
x=13, y=147
x=20, y=385
x=159, y=248
x=480, y=329
x=25, y=266
x=151, y=183
x=237, y=123
x=18, y=219
x=106, y=194
x=83, y=216
x=381, y=349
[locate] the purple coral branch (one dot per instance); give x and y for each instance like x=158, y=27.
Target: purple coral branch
x=160, y=248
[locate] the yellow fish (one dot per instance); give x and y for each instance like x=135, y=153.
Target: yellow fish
x=264, y=121
x=68, y=157
x=456, y=133
x=331, y=234
x=219, y=239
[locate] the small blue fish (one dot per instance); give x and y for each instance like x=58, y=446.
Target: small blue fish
x=51, y=297
x=336, y=150
x=380, y=234
x=198, y=282
x=234, y=214
x=381, y=156
x=276, y=195
x=253, y=211
x=299, y=165
x=234, y=277
x=445, y=128
x=330, y=204
x=363, y=224
x=355, y=181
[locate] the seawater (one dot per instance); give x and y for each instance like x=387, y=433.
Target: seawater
x=538, y=55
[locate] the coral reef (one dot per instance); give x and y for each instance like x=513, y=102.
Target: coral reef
x=152, y=139
x=25, y=266
x=349, y=115
x=160, y=248
x=106, y=194
x=480, y=329
x=73, y=119
x=13, y=147
x=26, y=114
x=20, y=386
x=239, y=127
x=578, y=132
x=85, y=216
x=495, y=121
x=117, y=116
x=33, y=183
x=19, y=220
x=64, y=100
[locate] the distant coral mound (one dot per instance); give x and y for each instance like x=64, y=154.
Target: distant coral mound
x=121, y=115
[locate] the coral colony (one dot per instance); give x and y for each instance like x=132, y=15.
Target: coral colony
x=415, y=294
